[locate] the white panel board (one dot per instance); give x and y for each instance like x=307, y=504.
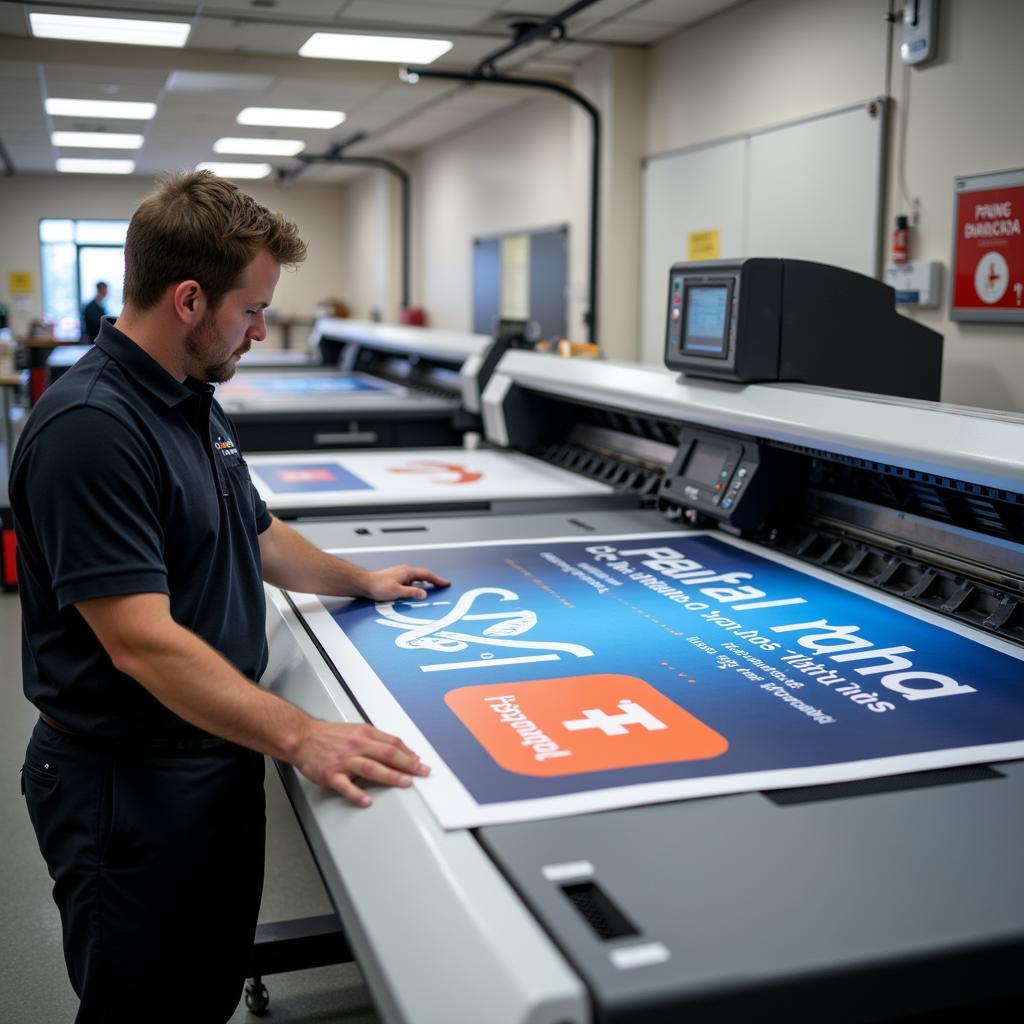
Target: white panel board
x=815, y=190
x=810, y=189
x=698, y=190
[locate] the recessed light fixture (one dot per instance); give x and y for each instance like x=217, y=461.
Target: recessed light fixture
x=235, y=170
x=97, y=140
x=221, y=82
x=69, y=165
x=131, y=31
x=260, y=147
x=392, y=49
x=101, y=108
x=286, y=117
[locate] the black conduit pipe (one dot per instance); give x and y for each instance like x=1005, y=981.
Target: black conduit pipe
x=337, y=157
x=411, y=74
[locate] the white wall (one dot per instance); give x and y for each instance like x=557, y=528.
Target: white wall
x=530, y=169
x=761, y=63
x=769, y=61
x=372, y=238
x=506, y=174
x=616, y=81
x=318, y=210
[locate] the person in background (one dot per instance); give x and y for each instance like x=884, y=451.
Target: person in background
x=143, y=548
x=93, y=311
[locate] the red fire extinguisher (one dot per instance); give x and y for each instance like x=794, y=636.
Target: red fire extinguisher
x=901, y=240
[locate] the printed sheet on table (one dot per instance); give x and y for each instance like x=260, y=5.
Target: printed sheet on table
x=569, y=675
x=439, y=474
x=291, y=384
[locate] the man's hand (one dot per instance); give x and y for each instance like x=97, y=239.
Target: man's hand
x=334, y=754
x=396, y=582
x=292, y=563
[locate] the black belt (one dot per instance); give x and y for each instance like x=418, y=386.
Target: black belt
x=155, y=745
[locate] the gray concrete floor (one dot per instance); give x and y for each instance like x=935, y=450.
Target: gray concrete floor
x=34, y=988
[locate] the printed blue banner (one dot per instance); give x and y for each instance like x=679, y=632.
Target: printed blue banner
x=286, y=384
x=567, y=675
x=289, y=478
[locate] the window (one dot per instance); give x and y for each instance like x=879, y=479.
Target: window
x=75, y=254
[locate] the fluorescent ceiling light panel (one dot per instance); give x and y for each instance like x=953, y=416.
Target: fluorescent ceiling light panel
x=285, y=117
x=68, y=165
x=217, y=81
x=101, y=108
x=109, y=30
x=97, y=140
x=392, y=49
x=235, y=170
x=260, y=147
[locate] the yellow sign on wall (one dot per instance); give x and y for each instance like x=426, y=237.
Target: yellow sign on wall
x=702, y=245
x=19, y=282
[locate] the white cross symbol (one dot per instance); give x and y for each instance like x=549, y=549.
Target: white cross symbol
x=615, y=725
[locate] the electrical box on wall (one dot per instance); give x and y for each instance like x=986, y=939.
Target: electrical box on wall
x=917, y=283
x=920, y=28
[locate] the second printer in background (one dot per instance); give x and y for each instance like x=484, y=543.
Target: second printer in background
x=569, y=451
x=393, y=386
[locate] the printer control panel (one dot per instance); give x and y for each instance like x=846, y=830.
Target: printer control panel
x=732, y=479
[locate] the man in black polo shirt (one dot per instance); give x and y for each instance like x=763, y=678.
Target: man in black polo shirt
x=142, y=551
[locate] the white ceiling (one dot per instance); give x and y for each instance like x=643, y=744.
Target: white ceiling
x=251, y=47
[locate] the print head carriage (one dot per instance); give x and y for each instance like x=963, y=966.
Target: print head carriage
x=476, y=623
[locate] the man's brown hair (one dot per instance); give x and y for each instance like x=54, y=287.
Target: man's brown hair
x=199, y=227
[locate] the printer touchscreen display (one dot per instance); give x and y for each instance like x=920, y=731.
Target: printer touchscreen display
x=705, y=464
x=707, y=309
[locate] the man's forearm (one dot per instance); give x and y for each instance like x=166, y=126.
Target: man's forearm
x=195, y=682
x=188, y=676
x=293, y=563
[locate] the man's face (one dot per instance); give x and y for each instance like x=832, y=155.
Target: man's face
x=223, y=335
x=101, y=292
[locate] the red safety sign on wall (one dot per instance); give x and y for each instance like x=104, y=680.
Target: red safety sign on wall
x=988, y=247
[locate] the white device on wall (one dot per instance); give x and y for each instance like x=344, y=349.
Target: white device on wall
x=920, y=30
x=917, y=283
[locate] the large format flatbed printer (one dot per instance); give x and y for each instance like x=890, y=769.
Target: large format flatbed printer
x=392, y=386
x=333, y=484
x=869, y=900
x=492, y=479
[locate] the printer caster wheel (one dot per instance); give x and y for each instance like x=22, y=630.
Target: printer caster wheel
x=257, y=998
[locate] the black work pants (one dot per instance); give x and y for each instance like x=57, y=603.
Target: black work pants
x=157, y=863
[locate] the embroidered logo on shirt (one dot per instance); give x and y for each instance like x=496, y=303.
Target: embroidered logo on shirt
x=225, y=446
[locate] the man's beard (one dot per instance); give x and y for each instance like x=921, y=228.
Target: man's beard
x=198, y=342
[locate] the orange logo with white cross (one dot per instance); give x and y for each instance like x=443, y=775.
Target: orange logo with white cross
x=580, y=724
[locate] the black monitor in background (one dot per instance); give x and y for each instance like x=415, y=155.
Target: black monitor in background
x=793, y=320
x=515, y=333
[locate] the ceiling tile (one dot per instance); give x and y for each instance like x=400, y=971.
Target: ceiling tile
x=438, y=16
x=248, y=37
x=209, y=82
x=628, y=31
x=324, y=9
x=13, y=20
x=682, y=12
x=544, y=7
